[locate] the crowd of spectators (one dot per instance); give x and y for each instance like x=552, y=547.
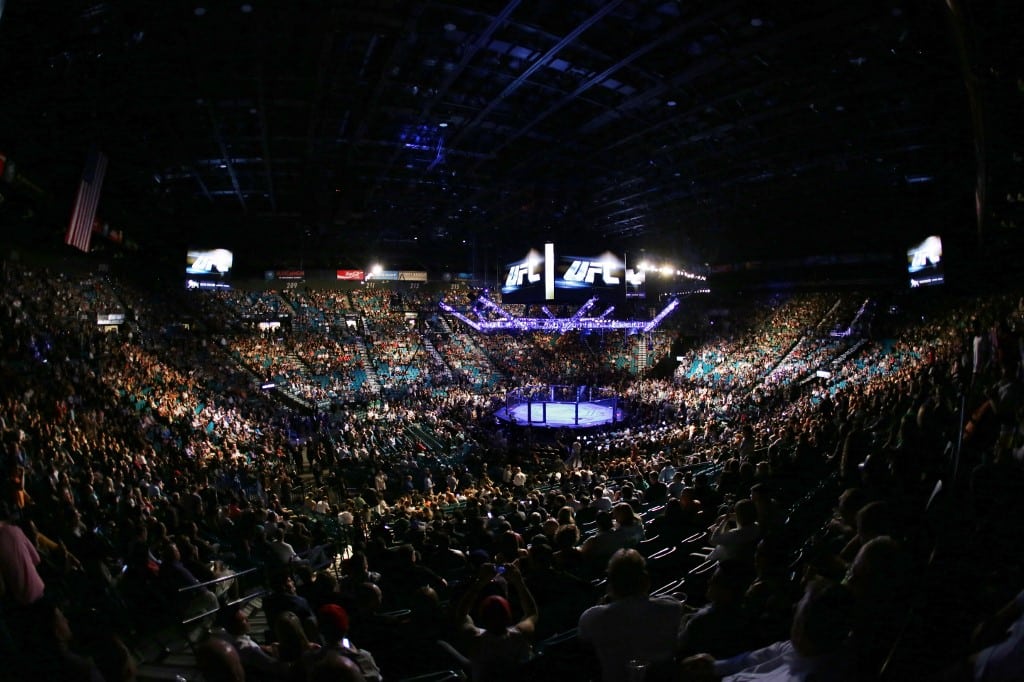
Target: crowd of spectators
x=412, y=533
x=467, y=361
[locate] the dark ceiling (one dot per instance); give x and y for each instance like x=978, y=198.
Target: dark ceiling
x=462, y=133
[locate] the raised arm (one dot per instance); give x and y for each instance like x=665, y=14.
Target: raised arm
x=483, y=577
x=526, y=600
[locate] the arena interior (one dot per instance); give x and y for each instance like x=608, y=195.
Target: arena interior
x=580, y=341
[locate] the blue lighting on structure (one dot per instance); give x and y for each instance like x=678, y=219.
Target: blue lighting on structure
x=495, y=307
x=559, y=325
x=424, y=138
x=653, y=324
x=452, y=311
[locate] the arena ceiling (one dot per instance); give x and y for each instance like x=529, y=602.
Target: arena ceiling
x=459, y=133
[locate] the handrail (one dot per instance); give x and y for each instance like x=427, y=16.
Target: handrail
x=247, y=597
x=200, y=616
x=217, y=581
x=558, y=638
x=234, y=602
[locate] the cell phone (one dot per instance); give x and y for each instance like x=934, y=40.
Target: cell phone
x=500, y=569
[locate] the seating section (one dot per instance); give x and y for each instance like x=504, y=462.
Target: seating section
x=176, y=500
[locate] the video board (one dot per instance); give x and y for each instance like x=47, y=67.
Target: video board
x=546, y=276
x=924, y=263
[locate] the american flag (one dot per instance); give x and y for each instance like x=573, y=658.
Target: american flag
x=80, y=230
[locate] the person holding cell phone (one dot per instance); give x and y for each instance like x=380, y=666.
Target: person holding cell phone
x=495, y=644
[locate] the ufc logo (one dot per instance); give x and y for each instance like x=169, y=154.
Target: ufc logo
x=517, y=273
x=584, y=271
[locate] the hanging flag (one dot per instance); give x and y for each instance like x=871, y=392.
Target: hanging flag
x=88, y=198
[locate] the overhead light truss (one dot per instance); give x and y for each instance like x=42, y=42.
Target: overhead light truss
x=557, y=325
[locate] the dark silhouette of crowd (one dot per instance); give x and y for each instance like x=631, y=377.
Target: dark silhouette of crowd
x=788, y=504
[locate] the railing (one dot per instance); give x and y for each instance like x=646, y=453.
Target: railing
x=185, y=622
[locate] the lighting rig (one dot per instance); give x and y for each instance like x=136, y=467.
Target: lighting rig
x=558, y=325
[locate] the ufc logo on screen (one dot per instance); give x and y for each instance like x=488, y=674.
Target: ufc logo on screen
x=584, y=271
x=517, y=273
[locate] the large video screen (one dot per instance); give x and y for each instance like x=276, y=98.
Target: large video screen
x=924, y=263
x=543, y=277
x=208, y=262
x=527, y=279
x=578, y=278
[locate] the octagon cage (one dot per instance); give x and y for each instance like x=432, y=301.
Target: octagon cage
x=560, y=406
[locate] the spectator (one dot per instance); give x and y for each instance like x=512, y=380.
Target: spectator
x=653, y=622
x=817, y=648
x=334, y=624
x=283, y=597
x=629, y=527
x=18, y=561
x=998, y=643
x=497, y=644
x=292, y=641
x=260, y=662
x=722, y=628
x=47, y=654
x=218, y=661
x=598, y=548
x=735, y=535
x=176, y=579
